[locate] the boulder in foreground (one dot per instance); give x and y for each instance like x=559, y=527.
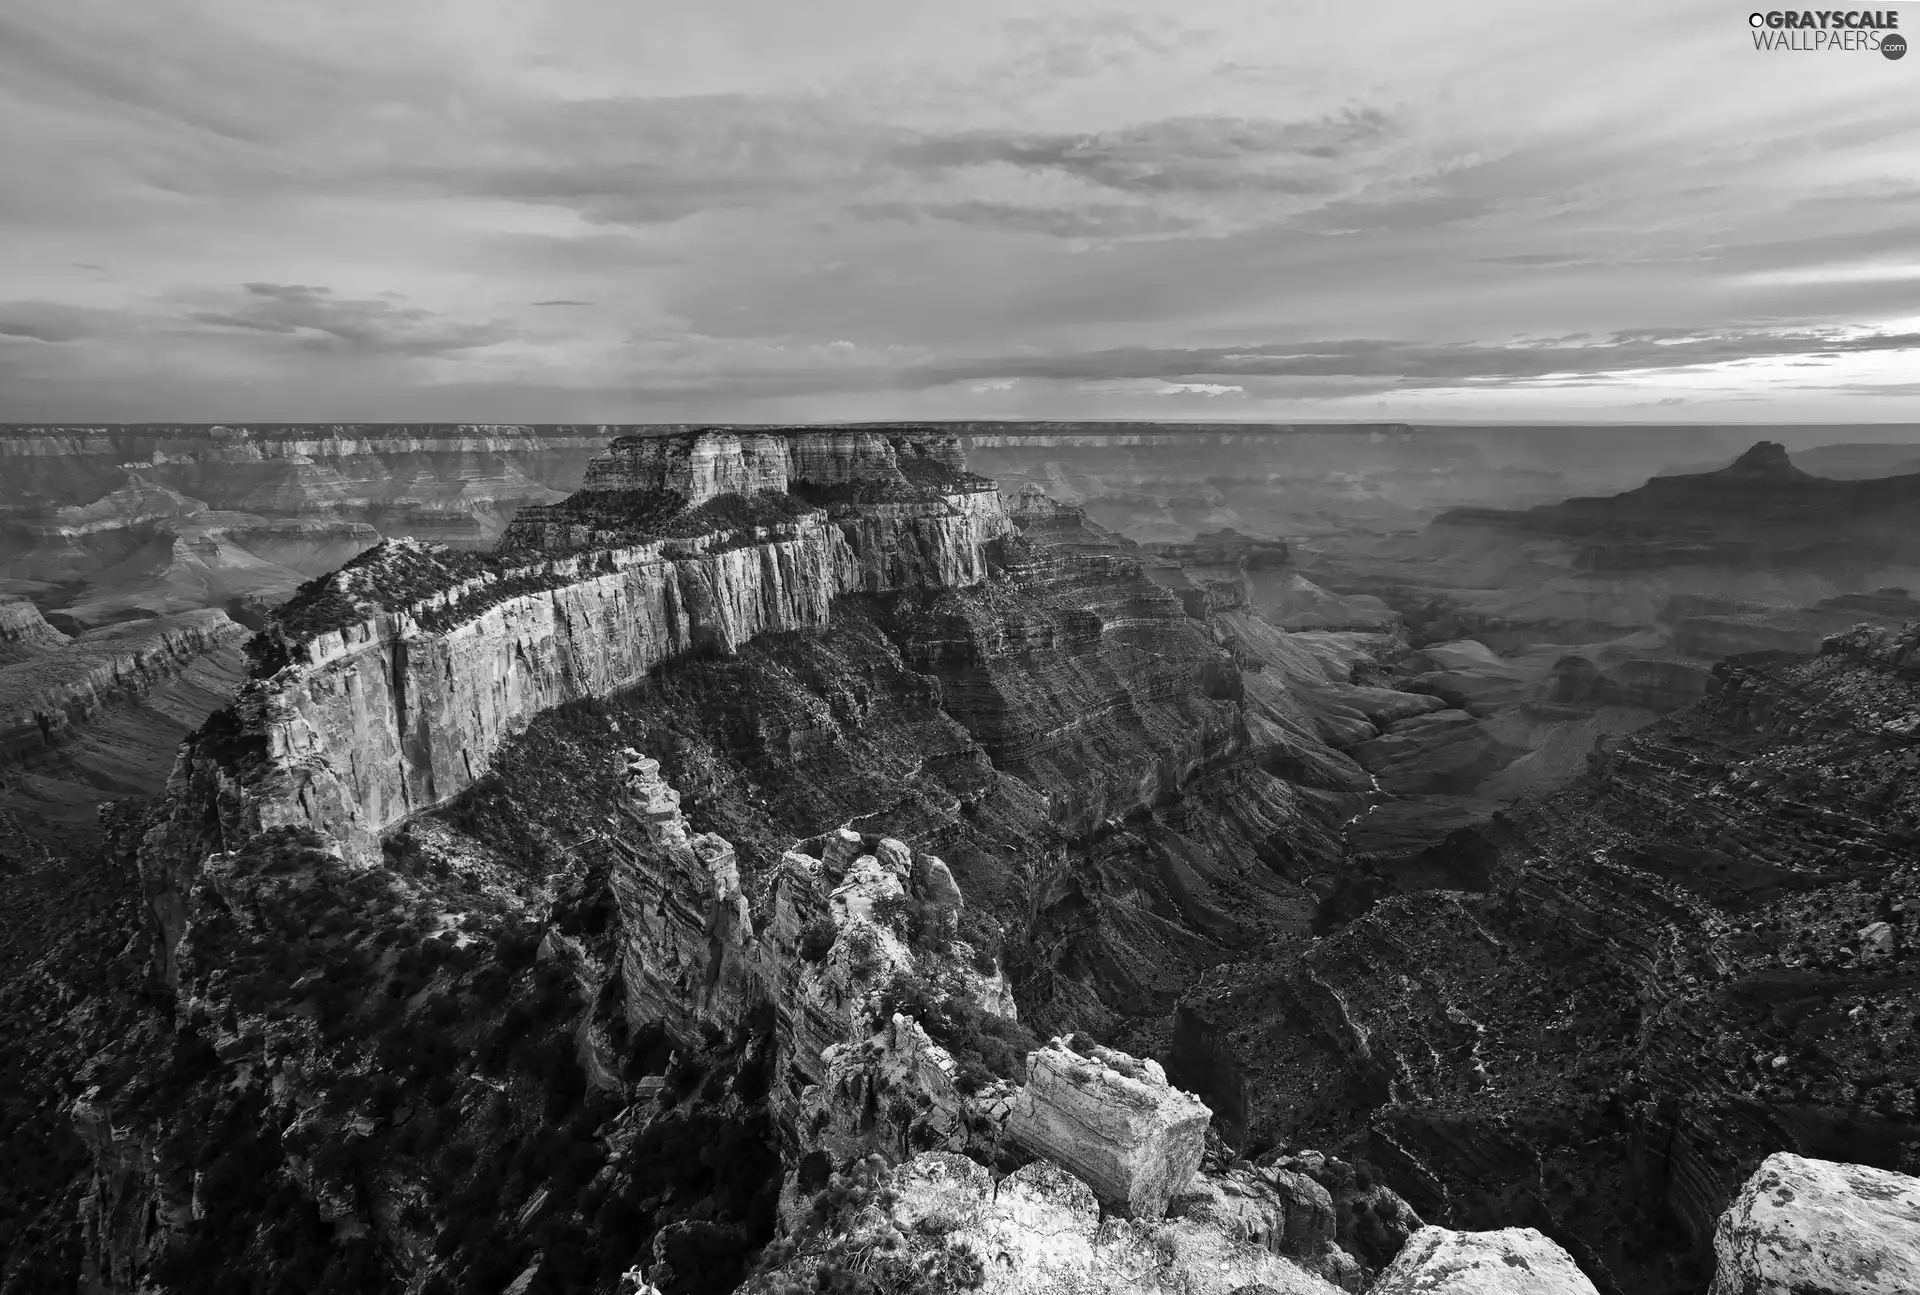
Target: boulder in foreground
x=1817, y=1227
x=1112, y=1121
x=1511, y=1261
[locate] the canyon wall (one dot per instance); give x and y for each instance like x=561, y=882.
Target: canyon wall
x=399, y=676
x=101, y=714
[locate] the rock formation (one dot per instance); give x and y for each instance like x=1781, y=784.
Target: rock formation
x=1039, y=1229
x=1114, y=1122
x=1511, y=1261
x=403, y=673
x=1759, y=511
x=1813, y=1227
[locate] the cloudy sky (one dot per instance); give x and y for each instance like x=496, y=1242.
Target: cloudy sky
x=611, y=210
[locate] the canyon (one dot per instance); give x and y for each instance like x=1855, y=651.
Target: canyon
x=704, y=866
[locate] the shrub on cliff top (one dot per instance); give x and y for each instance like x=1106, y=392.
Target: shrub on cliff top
x=953, y=1020
x=816, y=939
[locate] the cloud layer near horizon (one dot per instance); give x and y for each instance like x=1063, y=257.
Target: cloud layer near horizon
x=592, y=210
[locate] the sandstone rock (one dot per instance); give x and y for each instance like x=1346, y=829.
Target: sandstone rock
x=867, y=880
x=1277, y=1209
x=1511, y=1261
x=1115, y=1122
x=895, y=856
x=933, y=882
x=1818, y=1227
x=24, y=632
x=842, y=848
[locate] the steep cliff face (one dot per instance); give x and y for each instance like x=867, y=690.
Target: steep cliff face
x=391, y=684
x=723, y=462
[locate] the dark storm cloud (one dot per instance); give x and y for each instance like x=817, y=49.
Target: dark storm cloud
x=1639, y=350
x=316, y=318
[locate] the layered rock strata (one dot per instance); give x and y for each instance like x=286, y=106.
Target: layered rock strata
x=400, y=676
x=1693, y=956
x=47, y=699
x=1114, y=1122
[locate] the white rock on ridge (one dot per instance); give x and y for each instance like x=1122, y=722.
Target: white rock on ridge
x=1818, y=1227
x=1511, y=1261
x=1275, y=1209
x=895, y=855
x=1040, y=1232
x=933, y=883
x=1113, y=1121
x=868, y=881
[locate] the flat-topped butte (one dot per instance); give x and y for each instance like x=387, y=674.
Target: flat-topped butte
x=384, y=689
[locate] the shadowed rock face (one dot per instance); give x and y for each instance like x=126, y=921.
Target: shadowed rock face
x=1813, y=1227
x=1676, y=971
x=1760, y=511
x=99, y=715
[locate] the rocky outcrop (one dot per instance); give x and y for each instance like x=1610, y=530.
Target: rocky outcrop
x=1511, y=1261
x=51, y=696
x=890, y=1094
x=1114, y=1122
x=1813, y=1227
x=1226, y=547
x=24, y=632
x=729, y=462
x=1281, y=1210
x=1038, y=1231
x=690, y=958
x=397, y=678
x=1899, y=648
